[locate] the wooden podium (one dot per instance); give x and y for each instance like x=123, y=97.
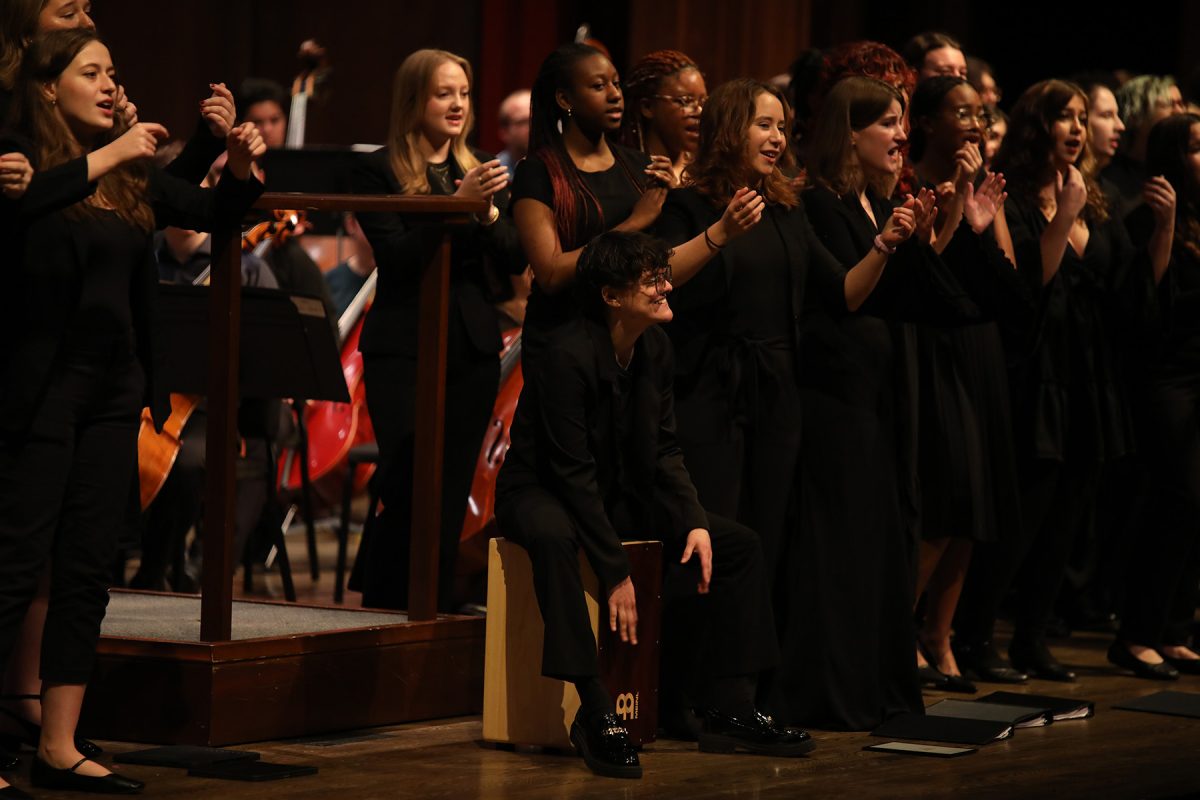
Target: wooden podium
x=519, y=705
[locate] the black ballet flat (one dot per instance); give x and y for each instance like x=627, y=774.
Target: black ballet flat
x=1185, y=666
x=985, y=664
x=31, y=732
x=933, y=678
x=8, y=761
x=44, y=776
x=1035, y=659
x=945, y=681
x=1119, y=655
x=13, y=793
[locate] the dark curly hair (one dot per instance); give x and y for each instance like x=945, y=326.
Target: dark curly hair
x=617, y=260
x=870, y=60
x=1167, y=155
x=716, y=171
x=1024, y=157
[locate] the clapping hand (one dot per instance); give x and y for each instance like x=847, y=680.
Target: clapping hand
x=662, y=171
x=482, y=183
x=744, y=211
x=901, y=224
x=981, y=205
x=925, y=211
x=244, y=145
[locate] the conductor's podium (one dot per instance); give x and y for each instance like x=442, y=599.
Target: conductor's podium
x=520, y=706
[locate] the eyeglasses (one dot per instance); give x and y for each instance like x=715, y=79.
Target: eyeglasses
x=686, y=102
x=657, y=280
x=965, y=116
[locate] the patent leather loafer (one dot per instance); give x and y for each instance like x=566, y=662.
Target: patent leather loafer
x=44, y=776
x=1035, y=660
x=756, y=734
x=13, y=793
x=982, y=662
x=605, y=746
x=1119, y=655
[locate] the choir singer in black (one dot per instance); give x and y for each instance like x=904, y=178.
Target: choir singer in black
x=593, y=461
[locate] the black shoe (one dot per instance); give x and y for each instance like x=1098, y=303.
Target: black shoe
x=8, y=761
x=1119, y=655
x=948, y=682
x=933, y=678
x=44, y=776
x=32, y=732
x=13, y=793
x=982, y=662
x=1035, y=660
x=604, y=744
x=757, y=734
x=1186, y=666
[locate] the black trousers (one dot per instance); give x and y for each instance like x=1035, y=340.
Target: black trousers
x=64, y=492
x=1163, y=569
x=737, y=610
x=1054, y=497
x=381, y=568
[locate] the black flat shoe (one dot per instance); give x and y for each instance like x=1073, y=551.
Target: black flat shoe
x=1185, y=666
x=757, y=734
x=31, y=732
x=604, y=744
x=8, y=761
x=933, y=678
x=1119, y=655
x=44, y=776
x=957, y=683
x=1035, y=660
x=13, y=793
x=982, y=662
x=948, y=682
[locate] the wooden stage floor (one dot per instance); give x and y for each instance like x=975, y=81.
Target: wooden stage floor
x=1116, y=754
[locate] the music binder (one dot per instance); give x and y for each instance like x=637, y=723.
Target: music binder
x=1176, y=704
x=1061, y=708
x=1022, y=716
x=943, y=729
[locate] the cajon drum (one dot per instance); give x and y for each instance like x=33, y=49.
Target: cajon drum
x=519, y=705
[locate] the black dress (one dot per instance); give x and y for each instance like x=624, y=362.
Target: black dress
x=616, y=190
x=850, y=559
x=390, y=348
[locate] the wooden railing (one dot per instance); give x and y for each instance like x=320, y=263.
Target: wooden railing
x=224, y=343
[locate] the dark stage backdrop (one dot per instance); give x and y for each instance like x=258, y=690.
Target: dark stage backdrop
x=167, y=52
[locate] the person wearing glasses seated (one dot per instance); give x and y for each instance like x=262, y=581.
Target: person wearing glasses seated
x=664, y=95
x=594, y=461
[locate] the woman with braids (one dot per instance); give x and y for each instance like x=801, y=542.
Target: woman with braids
x=575, y=184
x=966, y=465
x=427, y=154
x=666, y=93
x=1070, y=409
x=80, y=360
x=1163, y=568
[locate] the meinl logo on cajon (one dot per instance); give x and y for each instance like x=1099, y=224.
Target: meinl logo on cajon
x=627, y=706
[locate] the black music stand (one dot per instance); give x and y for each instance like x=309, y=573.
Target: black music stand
x=287, y=350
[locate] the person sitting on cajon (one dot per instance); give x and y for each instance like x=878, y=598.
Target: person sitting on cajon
x=594, y=461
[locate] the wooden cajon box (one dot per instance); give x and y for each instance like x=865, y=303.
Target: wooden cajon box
x=519, y=705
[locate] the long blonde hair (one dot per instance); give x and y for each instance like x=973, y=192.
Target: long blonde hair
x=410, y=93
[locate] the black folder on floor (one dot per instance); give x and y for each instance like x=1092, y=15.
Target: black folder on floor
x=1023, y=716
x=943, y=729
x=1061, y=708
x=184, y=756
x=1177, y=704
x=252, y=771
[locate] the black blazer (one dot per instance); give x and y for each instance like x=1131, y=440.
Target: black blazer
x=401, y=252
x=43, y=263
x=564, y=430
x=701, y=304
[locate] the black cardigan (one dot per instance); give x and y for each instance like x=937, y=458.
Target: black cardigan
x=42, y=267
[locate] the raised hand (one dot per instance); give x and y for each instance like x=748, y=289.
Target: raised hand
x=1070, y=194
x=744, y=211
x=1160, y=196
x=700, y=544
x=124, y=108
x=901, y=224
x=245, y=145
x=925, y=212
x=140, y=141
x=15, y=174
x=660, y=170
x=622, y=611
x=482, y=182
x=981, y=205
x=967, y=163
x=218, y=110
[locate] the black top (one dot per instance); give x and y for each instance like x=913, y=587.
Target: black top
x=774, y=265
x=1070, y=396
x=570, y=414
x=50, y=259
x=1171, y=339
x=401, y=251
x=112, y=249
x=616, y=189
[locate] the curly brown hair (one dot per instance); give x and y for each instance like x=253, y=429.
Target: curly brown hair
x=717, y=171
x=1024, y=157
